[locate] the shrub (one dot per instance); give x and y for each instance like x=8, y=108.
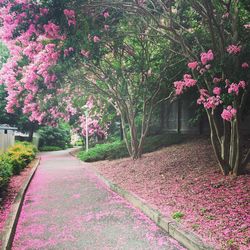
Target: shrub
x=20, y=155
x=14, y=160
x=5, y=170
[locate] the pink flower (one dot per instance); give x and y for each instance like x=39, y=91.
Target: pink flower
x=226, y=15
x=85, y=53
x=106, y=27
x=233, y=88
x=193, y=65
x=209, y=102
x=227, y=82
x=247, y=26
x=186, y=83
x=205, y=57
x=179, y=86
x=245, y=65
x=216, y=80
x=208, y=66
x=66, y=52
x=228, y=113
x=96, y=39
x=44, y=11
x=106, y=14
x=202, y=71
x=217, y=91
x=242, y=84
x=70, y=15
x=233, y=49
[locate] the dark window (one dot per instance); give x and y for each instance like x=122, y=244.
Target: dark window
x=6, y=131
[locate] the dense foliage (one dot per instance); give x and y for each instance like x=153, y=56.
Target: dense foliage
x=14, y=160
x=57, y=137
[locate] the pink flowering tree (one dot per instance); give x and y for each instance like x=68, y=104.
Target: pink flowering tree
x=223, y=99
x=34, y=42
x=122, y=65
x=221, y=31
x=93, y=122
x=221, y=72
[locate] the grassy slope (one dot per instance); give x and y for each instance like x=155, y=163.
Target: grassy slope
x=117, y=149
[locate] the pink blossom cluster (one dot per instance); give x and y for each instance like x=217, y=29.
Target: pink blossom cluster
x=193, y=65
x=106, y=14
x=216, y=80
x=233, y=49
x=209, y=102
x=245, y=65
x=85, y=53
x=206, y=57
x=229, y=113
x=35, y=43
x=71, y=17
x=235, y=88
x=68, y=51
x=187, y=82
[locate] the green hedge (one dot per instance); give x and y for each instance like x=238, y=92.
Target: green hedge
x=118, y=149
x=50, y=148
x=15, y=160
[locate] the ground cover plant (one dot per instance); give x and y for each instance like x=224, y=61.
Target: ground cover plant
x=118, y=149
x=184, y=183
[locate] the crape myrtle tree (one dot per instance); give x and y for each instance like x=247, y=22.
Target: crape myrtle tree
x=17, y=118
x=36, y=36
x=124, y=65
x=213, y=37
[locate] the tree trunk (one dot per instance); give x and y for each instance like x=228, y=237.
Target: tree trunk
x=31, y=132
x=227, y=148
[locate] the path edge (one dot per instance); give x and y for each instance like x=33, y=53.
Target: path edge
x=184, y=237
x=10, y=226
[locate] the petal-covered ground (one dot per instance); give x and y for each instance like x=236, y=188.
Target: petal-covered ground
x=185, y=178
x=8, y=196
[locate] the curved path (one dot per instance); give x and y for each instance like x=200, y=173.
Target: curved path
x=68, y=207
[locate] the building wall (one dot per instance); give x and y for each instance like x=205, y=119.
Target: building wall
x=177, y=117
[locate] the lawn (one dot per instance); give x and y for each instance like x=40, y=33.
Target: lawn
x=117, y=149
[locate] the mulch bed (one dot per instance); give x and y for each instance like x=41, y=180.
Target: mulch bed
x=185, y=178
x=8, y=196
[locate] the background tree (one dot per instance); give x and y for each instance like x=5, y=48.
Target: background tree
x=126, y=67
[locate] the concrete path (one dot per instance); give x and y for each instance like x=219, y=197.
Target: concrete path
x=68, y=207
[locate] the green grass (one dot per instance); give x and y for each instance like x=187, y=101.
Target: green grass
x=118, y=149
x=177, y=215
x=50, y=148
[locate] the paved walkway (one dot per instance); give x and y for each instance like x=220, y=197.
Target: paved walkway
x=68, y=207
